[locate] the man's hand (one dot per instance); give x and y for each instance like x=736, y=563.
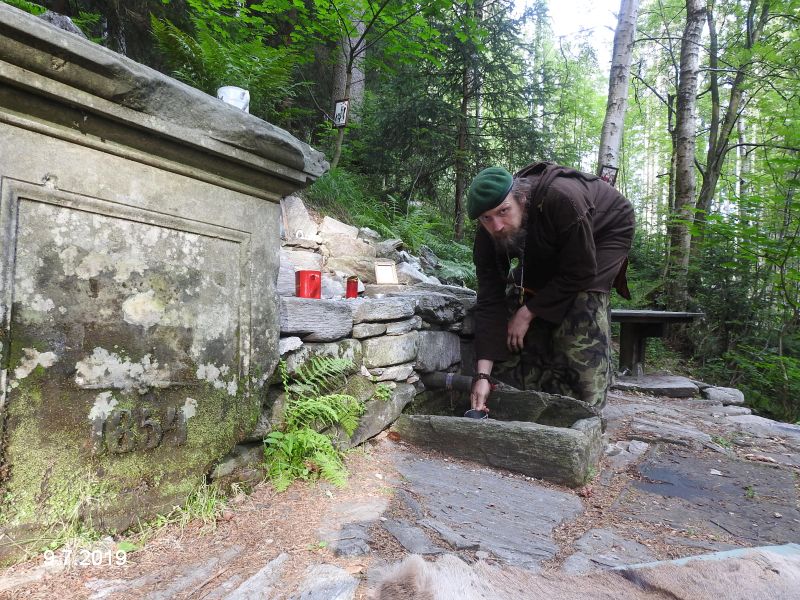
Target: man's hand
x=479, y=394
x=518, y=327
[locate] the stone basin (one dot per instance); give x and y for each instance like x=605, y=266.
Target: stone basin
x=564, y=447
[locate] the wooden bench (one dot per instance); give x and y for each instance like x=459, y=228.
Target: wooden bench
x=638, y=325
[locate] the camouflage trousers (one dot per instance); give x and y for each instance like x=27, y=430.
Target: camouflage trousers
x=571, y=358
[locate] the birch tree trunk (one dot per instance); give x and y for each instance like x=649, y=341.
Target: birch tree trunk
x=618, y=81
x=685, y=131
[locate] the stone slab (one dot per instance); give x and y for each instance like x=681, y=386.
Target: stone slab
x=435, y=308
x=672, y=386
x=262, y=583
x=339, y=244
x=390, y=350
x=297, y=243
x=286, y=284
x=370, y=235
x=600, y=549
x=624, y=452
x=724, y=395
x=453, y=539
x=653, y=431
x=186, y=578
x=394, y=373
x=330, y=225
x=400, y=327
x=511, y=519
x=361, y=266
x=438, y=350
x=326, y=582
x=468, y=297
x=351, y=540
x=379, y=414
x=409, y=274
x=333, y=286
x=679, y=488
x=315, y=320
x=299, y=224
x=728, y=411
x=759, y=426
x=367, y=310
x=346, y=525
x=243, y=464
x=412, y=538
x=301, y=260
x=289, y=344
x=368, y=330
x=568, y=456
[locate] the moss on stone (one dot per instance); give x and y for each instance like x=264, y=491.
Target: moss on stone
x=55, y=483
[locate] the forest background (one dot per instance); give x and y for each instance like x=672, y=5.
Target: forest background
x=440, y=89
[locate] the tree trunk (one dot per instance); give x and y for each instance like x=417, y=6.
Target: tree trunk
x=618, y=81
x=337, y=153
x=461, y=153
x=349, y=80
x=685, y=126
x=348, y=53
x=720, y=132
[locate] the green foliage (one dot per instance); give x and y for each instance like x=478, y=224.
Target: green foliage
x=299, y=450
x=769, y=381
x=303, y=454
x=722, y=441
x=89, y=23
x=32, y=7
x=343, y=194
x=660, y=357
x=382, y=392
x=205, y=504
x=208, y=61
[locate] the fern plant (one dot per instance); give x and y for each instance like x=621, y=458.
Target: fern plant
x=207, y=61
x=301, y=449
x=32, y=7
x=383, y=392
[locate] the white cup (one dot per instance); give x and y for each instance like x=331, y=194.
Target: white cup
x=235, y=96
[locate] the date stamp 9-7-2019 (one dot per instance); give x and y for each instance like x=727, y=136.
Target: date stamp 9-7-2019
x=84, y=557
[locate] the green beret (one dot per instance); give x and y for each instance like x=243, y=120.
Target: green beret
x=489, y=188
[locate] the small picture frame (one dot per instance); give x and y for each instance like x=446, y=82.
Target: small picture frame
x=340, y=112
x=385, y=272
x=609, y=175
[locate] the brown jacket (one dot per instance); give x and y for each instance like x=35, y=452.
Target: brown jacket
x=580, y=230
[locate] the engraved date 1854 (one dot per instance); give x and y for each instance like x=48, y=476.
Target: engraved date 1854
x=128, y=430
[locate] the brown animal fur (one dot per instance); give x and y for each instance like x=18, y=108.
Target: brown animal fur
x=756, y=575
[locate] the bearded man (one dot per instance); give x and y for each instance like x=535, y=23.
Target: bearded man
x=551, y=244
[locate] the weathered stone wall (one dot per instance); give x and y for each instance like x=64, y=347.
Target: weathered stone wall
x=138, y=314
x=391, y=333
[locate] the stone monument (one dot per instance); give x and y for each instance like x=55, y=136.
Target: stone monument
x=139, y=221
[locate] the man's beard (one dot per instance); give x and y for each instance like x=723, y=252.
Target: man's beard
x=511, y=243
